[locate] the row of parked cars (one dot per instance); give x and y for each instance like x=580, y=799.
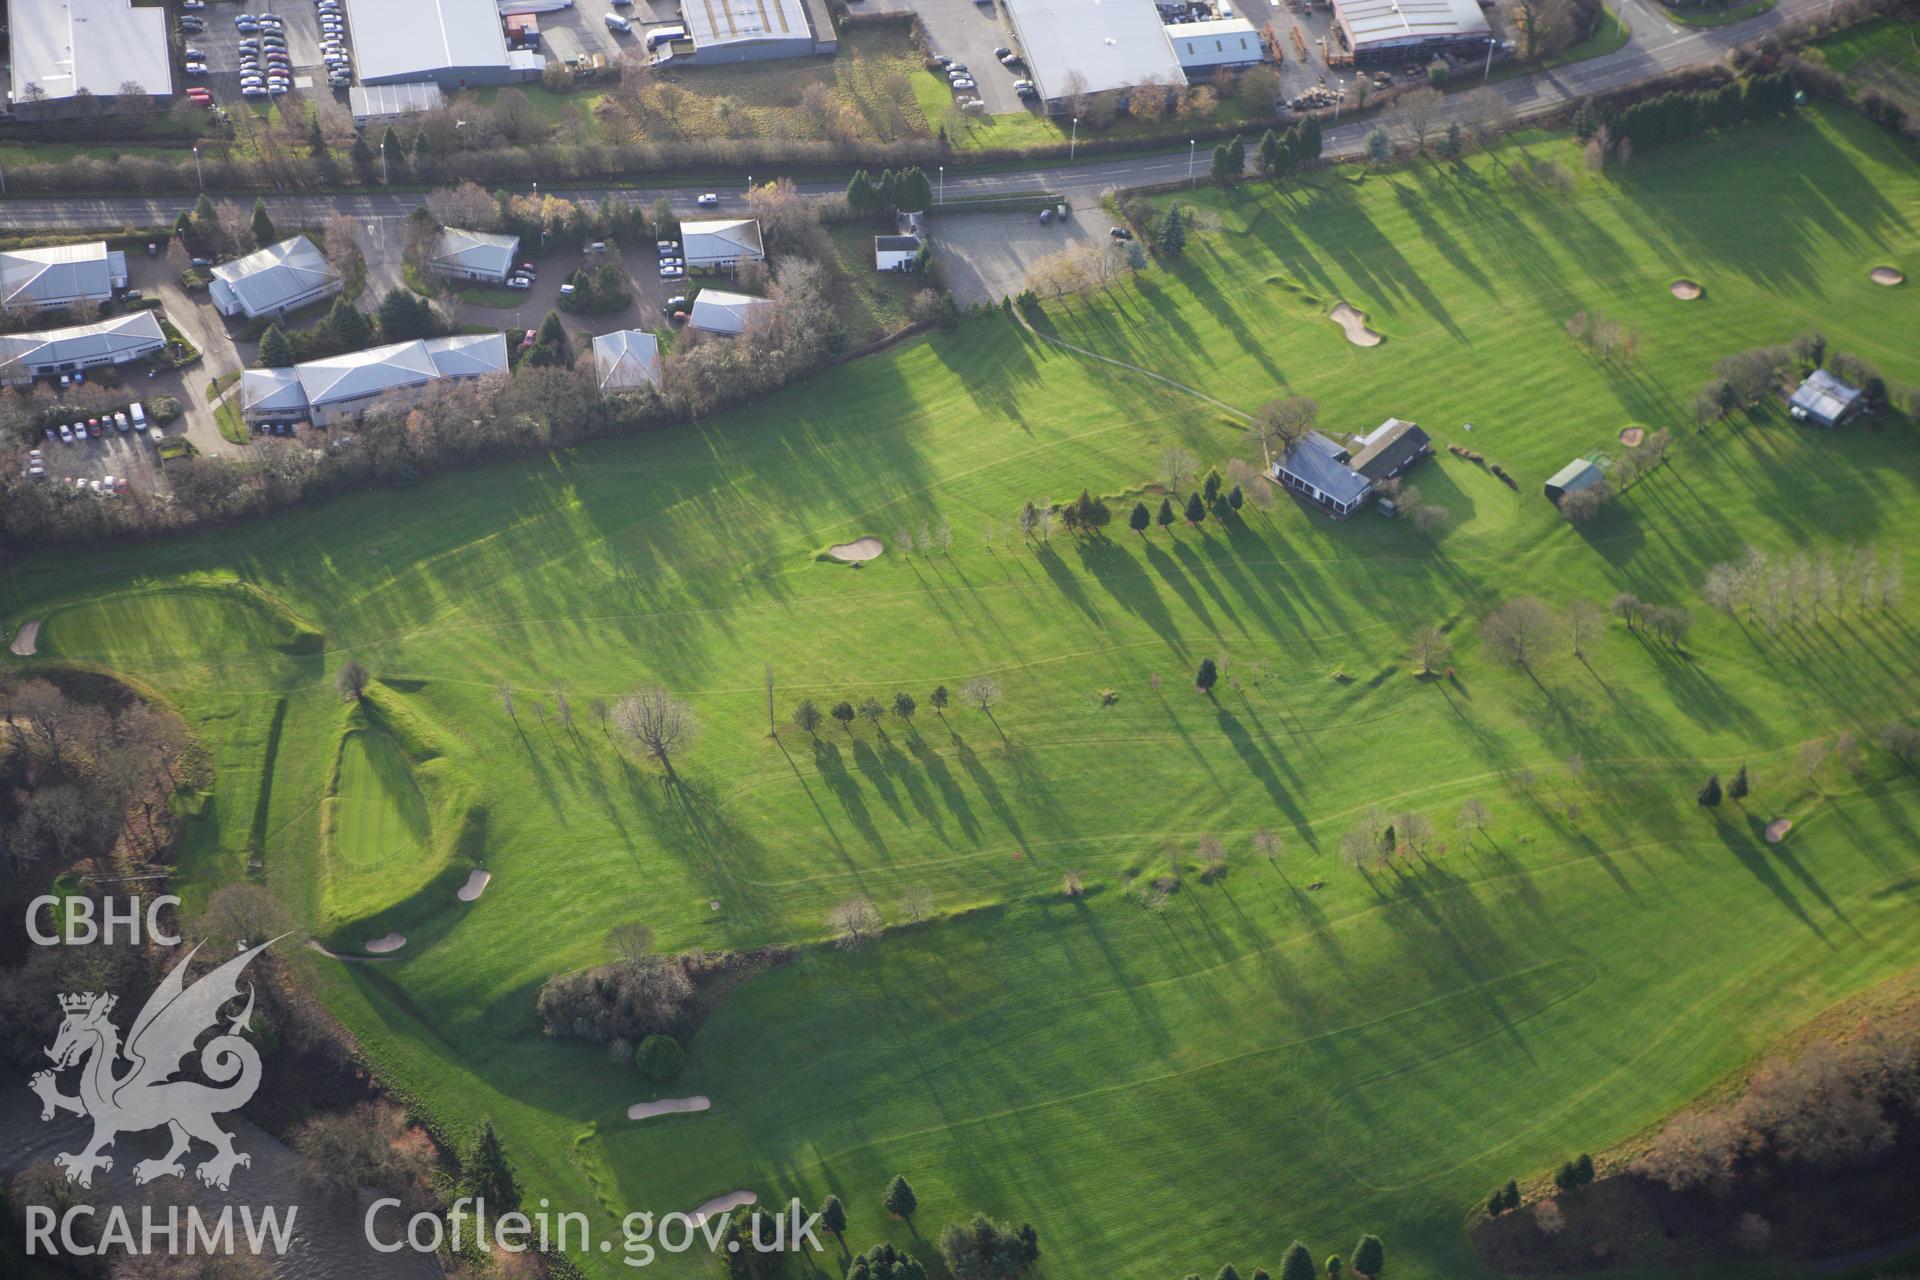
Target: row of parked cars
x=105, y=486
x=961, y=80
x=132, y=418
x=672, y=265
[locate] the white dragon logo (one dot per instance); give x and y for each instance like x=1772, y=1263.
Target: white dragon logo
x=145, y=1096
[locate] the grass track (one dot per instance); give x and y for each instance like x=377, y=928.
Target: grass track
x=1159, y=1092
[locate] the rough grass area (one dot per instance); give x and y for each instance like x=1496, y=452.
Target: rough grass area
x=1162, y=1078
x=871, y=96
x=871, y=304
x=1717, y=15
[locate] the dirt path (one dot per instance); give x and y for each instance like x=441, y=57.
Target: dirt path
x=27, y=642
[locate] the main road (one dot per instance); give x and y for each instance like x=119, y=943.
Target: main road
x=1654, y=46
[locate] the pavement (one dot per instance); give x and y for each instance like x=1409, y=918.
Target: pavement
x=1655, y=45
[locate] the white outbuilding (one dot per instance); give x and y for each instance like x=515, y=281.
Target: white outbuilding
x=724, y=243
x=1203, y=47
x=474, y=255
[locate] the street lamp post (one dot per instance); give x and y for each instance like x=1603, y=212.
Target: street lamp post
x=1339, y=97
x=1190, y=151
x=1488, y=73
x=199, y=177
x=1074, y=144
x=943, y=184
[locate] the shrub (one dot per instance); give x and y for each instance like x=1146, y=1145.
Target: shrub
x=659, y=1057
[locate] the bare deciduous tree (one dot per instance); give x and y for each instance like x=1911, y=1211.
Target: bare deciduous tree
x=1473, y=815
x=1279, y=424
x=469, y=206
x=1177, y=467
x=1430, y=648
x=633, y=943
x=1584, y=622
x=982, y=693
x=1417, y=113
x=854, y=921
x=1518, y=631
x=656, y=721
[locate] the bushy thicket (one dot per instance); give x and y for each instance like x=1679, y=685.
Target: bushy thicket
x=632, y=1001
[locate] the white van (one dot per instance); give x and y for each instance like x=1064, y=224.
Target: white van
x=617, y=23
x=666, y=35
x=139, y=415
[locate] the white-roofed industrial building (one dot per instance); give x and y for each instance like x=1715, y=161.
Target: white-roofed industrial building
x=474, y=255
x=718, y=311
x=721, y=243
x=1092, y=46
x=753, y=30
x=371, y=103
x=1405, y=30
x=455, y=43
x=626, y=360
x=344, y=387
x=59, y=47
x=26, y=356
x=60, y=275
x=1218, y=42
x=274, y=280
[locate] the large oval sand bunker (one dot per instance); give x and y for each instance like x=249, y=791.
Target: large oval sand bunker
x=1354, y=322
x=475, y=886
x=1887, y=276
x=667, y=1107
x=386, y=944
x=860, y=549
x=1685, y=290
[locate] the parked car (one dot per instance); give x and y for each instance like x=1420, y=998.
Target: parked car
x=339, y=81
x=972, y=104
x=1120, y=233
x=526, y=269
x=566, y=291
x=193, y=4
x=196, y=68
x=519, y=282
x=66, y=434
x=1011, y=61
x=678, y=302
x=121, y=424
x=965, y=84
x=1026, y=88
x=93, y=427
x=674, y=272
x=617, y=23
x=667, y=246
x=190, y=23
x=943, y=59
x=672, y=262
x=709, y=200
x=253, y=91
x=192, y=54
x=138, y=412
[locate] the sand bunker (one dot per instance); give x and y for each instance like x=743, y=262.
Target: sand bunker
x=28, y=640
x=1887, y=276
x=475, y=886
x=1685, y=290
x=1632, y=436
x=720, y=1204
x=857, y=550
x=668, y=1107
x=1354, y=321
x=392, y=942
x=1777, y=830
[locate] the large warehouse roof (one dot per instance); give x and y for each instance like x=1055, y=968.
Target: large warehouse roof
x=57, y=274
x=723, y=22
x=1113, y=44
x=1387, y=22
x=120, y=338
x=64, y=46
x=273, y=277
x=423, y=39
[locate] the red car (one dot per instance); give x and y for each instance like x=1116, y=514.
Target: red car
x=93, y=427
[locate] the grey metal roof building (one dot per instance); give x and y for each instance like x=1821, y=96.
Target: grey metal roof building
x=26, y=356
x=274, y=280
x=1110, y=44
x=347, y=386
x=626, y=359
x=1825, y=401
x=474, y=255
x=1579, y=474
x=754, y=30
x=370, y=102
x=721, y=243
x=718, y=311
x=1318, y=468
x=64, y=46
x=1407, y=29
x=455, y=43
x=1390, y=448
x=61, y=275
